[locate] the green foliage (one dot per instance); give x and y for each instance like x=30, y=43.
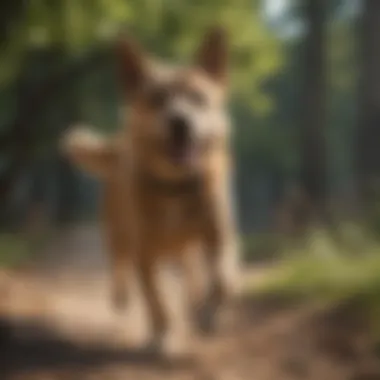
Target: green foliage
x=46, y=38
x=170, y=29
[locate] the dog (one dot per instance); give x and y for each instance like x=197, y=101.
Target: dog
x=166, y=178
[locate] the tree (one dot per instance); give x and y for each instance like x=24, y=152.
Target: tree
x=367, y=153
x=313, y=175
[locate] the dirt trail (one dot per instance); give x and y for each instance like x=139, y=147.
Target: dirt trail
x=62, y=328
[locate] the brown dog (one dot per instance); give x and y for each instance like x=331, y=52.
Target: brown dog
x=167, y=176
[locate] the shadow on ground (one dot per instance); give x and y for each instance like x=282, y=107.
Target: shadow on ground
x=30, y=346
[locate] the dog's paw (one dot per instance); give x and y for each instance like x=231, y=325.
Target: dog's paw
x=205, y=317
x=203, y=320
x=207, y=314
x=171, y=348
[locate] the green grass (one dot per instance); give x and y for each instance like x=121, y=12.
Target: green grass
x=13, y=250
x=331, y=281
x=326, y=269
x=16, y=248
x=331, y=278
x=327, y=272
x=261, y=246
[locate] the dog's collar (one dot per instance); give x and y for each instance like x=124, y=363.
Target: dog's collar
x=173, y=187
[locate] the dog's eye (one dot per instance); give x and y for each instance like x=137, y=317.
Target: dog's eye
x=157, y=97
x=197, y=98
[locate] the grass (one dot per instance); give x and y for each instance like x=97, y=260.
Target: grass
x=261, y=247
x=13, y=250
x=324, y=269
x=330, y=273
x=16, y=248
x=331, y=278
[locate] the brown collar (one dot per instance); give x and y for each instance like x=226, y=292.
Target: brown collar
x=173, y=187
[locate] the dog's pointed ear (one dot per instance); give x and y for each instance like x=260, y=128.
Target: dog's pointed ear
x=212, y=55
x=132, y=64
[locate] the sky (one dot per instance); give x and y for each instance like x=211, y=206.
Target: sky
x=275, y=7
x=274, y=10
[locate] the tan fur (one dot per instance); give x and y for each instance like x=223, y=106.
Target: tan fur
x=90, y=152
x=145, y=223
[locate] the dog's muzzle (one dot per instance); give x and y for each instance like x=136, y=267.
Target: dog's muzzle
x=180, y=140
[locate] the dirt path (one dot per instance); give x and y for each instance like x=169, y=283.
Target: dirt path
x=62, y=328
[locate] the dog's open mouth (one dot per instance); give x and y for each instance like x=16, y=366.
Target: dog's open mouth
x=181, y=143
x=182, y=153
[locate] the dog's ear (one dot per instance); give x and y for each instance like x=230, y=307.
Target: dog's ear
x=212, y=55
x=132, y=64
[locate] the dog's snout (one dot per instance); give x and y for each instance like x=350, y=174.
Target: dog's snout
x=179, y=129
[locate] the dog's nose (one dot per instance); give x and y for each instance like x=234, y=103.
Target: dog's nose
x=179, y=129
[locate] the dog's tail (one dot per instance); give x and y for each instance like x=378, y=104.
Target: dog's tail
x=89, y=151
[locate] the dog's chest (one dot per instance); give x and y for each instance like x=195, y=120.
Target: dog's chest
x=173, y=216
x=171, y=220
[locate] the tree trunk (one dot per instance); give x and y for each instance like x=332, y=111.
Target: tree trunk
x=20, y=136
x=367, y=141
x=313, y=174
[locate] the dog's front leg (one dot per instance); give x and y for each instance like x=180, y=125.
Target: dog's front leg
x=221, y=261
x=194, y=279
x=222, y=258
x=118, y=241
x=148, y=273
x=120, y=265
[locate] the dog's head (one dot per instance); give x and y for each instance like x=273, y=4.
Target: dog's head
x=177, y=114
